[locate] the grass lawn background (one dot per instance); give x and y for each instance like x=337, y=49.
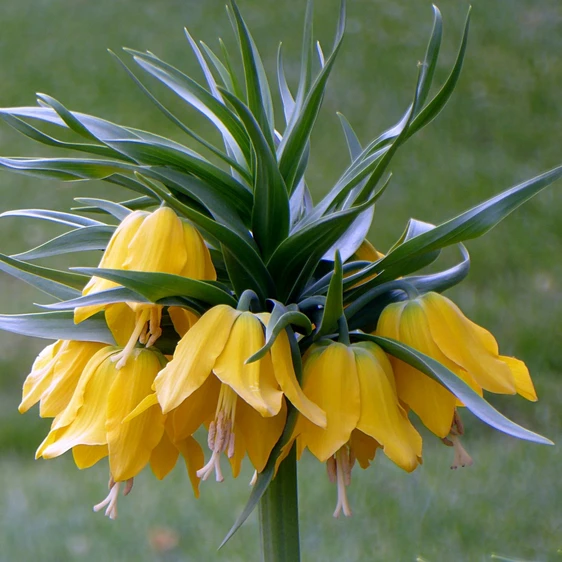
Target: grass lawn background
x=502, y=126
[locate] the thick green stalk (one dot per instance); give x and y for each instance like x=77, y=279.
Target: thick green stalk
x=279, y=515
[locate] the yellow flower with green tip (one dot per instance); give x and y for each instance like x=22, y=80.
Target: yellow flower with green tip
x=55, y=374
x=209, y=382
x=93, y=423
x=434, y=325
x=355, y=386
x=151, y=242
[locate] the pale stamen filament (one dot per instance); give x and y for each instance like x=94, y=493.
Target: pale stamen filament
x=122, y=357
x=220, y=438
x=461, y=458
x=343, y=474
x=110, y=501
x=154, y=330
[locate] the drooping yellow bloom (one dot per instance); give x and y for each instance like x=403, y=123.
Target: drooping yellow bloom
x=434, y=325
x=55, y=374
x=150, y=242
x=93, y=423
x=208, y=382
x=355, y=386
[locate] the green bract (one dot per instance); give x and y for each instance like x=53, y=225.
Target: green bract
x=273, y=249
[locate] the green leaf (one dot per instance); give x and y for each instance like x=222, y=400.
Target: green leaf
x=470, y=224
x=431, y=56
x=177, y=121
x=445, y=279
x=285, y=92
x=223, y=71
x=297, y=134
x=227, y=206
x=353, y=237
x=156, y=286
x=110, y=296
x=194, y=94
x=257, y=86
x=116, y=210
x=434, y=107
x=333, y=309
x=353, y=144
x=270, y=214
x=239, y=249
x=307, y=51
x=297, y=257
x=78, y=240
x=37, y=135
x=68, y=219
x=65, y=169
x=279, y=320
x=475, y=403
x=57, y=326
x=59, y=284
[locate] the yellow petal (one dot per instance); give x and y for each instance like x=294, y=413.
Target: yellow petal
x=86, y=456
x=367, y=252
x=388, y=325
x=121, y=320
x=330, y=380
x=199, y=264
x=253, y=382
x=456, y=338
x=431, y=401
x=381, y=416
x=182, y=319
x=194, y=357
x=41, y=375
x=158, y=244
x=196, y=410
x=363, y=447
x=194, y=460
x=523, y=383
x=131, y=444
x=113, y=258
x=71, y=363
x=285, y=375
x=83, y=420
x=163, y=457
x=259, y=434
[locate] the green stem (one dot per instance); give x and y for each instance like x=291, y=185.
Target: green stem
x=279, y=515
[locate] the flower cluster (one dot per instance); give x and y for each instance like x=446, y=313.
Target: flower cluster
x=135, y=406
x=226, y=302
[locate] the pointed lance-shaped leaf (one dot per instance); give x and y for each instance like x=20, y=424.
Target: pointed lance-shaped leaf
x=473, y=401
x=270, y=214
x=155, y=286
x=57, y=326
x=333, y=309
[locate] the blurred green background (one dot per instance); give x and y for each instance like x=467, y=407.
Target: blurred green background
x=502, y=126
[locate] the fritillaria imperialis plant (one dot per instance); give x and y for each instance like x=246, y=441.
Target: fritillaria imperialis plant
x=227, y=302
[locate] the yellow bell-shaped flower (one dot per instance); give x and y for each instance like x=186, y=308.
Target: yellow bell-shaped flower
x=94, y=423
x=150, y=242
x=208, y=382
x=55, y=374
x=355, y=386
x=434, y=325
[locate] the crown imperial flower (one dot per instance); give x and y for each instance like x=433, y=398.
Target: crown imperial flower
x=209, y=381
x=434, y=325
x=355, y=386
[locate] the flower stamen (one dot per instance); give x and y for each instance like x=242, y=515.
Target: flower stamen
x=110, y=501
x=122, y=357
x=343, y=478
x=220, y=438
